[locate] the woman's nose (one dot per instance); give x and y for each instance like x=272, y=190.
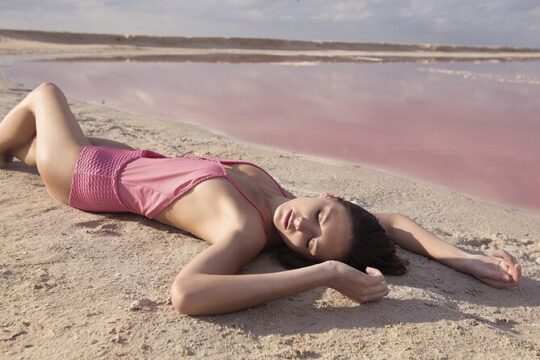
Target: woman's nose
x=301, y=223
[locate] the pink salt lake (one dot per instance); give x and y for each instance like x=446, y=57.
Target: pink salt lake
x=467, y=126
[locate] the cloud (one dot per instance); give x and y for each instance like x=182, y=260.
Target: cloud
x=482, y=22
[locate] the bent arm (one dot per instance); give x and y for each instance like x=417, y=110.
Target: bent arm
x=208, y=285
x=204, y=294
x=499, y=269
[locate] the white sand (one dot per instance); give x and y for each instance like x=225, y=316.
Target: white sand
x=70, y=281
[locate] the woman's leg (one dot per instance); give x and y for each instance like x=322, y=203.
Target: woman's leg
x=27, y=152
x=17, y=131
x=44, y=115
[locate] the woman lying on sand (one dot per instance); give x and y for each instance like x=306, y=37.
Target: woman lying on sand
x=237, y=207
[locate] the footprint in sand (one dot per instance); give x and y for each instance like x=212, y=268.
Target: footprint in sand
x=100, y=227
x=476, y=242
x=43, y=280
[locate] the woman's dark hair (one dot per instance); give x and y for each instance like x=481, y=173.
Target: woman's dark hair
x=370, y=246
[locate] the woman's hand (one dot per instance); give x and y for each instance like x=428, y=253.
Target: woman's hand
x=357, y=285
x=498, y=269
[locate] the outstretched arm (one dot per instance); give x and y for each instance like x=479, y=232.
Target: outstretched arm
x=499, y=269
x=208, y=285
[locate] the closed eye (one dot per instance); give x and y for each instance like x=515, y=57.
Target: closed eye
x=309, y=244
x=318, y=219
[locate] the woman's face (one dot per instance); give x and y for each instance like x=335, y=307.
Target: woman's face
x=318, y=228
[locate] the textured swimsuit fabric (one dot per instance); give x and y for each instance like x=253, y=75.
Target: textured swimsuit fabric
x=94, y=184
x=143, y=182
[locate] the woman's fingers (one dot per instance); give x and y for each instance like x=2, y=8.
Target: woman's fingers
x=513, y=267
x=505, y=256
x=378, y=288
x=504, y=271
x=508, y=265
x=493, y=268
x=375, y=286
x=517, y=273
x=373, y=272
x=377, y=296
x=374, y=294
x=511, y=278
x=375, y=277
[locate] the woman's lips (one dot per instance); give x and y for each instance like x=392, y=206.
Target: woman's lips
x=287, y=219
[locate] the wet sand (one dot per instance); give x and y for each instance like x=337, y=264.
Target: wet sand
x=82, y=285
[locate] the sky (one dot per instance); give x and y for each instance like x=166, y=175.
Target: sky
x=451, y=22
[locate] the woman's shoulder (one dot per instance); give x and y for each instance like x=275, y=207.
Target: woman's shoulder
x=248, y=240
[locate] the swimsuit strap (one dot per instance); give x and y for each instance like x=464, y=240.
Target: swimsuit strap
x=281, y=189
x=233, y=182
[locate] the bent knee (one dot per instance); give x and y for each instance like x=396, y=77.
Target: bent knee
x=47, y=89
x=46, y=85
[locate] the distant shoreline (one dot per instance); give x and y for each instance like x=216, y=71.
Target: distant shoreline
x=110, y=47
x=242, y=43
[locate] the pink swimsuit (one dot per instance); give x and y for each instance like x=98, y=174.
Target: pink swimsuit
x=108, y=179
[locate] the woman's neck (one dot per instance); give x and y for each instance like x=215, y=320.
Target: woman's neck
x=273, y=201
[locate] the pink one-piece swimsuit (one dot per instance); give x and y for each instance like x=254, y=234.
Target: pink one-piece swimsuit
x=108, y=179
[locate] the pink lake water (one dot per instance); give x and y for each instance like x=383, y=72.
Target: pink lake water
x=472, y=127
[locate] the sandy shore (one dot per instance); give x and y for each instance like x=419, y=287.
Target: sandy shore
x=82, y=285
x=154, y=48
